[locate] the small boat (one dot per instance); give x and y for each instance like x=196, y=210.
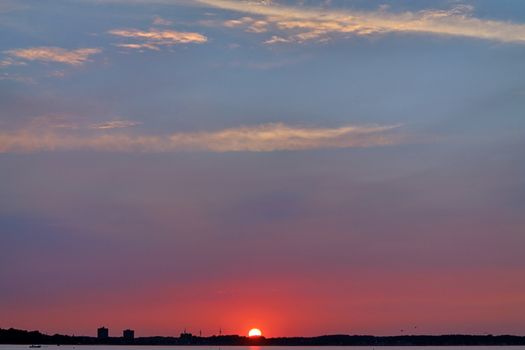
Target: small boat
x=35, y=346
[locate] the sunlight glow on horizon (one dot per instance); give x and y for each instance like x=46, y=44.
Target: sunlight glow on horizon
x=254, y=332
x=306, y=167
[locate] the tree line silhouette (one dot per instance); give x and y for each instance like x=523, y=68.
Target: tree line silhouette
x=17, y=336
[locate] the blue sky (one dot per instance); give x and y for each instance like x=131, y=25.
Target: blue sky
x=304, y=140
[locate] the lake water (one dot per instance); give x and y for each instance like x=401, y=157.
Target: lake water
x=182, y=347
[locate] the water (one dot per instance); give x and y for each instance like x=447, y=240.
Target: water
x=185, y=347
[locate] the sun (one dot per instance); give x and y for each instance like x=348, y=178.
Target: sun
x=254, y=332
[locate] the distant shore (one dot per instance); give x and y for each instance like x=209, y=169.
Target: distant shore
x=17, y=336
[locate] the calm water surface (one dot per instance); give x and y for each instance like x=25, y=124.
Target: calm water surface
x=182, y=347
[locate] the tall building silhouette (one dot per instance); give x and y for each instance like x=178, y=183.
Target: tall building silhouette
x=102, y=333
x=128, y=334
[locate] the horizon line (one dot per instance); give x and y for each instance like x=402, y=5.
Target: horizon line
x=486, y=334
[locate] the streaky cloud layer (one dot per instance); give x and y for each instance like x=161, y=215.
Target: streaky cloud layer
x=154, y=38
x=115, y=124
x=261, y=138
x=55, y=54
x=304, y=24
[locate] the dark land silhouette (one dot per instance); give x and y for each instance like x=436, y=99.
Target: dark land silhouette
x=16, y=336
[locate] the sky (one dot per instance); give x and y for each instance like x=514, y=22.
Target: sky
x=304, y=167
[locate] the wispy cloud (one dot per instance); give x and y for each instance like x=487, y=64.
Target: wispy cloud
x=9, y=61
x=301, y=24
x=250, y=24
x=54, y=54
x=159, y=21
x=114, y=124
x=260, y=138
x=153, y=39
x=50, y=123
x=139, y=46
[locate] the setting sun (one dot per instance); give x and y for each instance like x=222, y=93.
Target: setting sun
x=254, y=332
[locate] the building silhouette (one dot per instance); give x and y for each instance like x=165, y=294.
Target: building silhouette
x=186, y=338
x=128, y=334
x=102, y=333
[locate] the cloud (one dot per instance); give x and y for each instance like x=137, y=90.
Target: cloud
x=49, y=123
x=159, y=21
x=277, y=40
x=115, y=124
x=153, y=39
x=55, y=54
x=250, y=24
x=9, y=61
x=138, y=46
x=260, y=138
x=301, y=24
